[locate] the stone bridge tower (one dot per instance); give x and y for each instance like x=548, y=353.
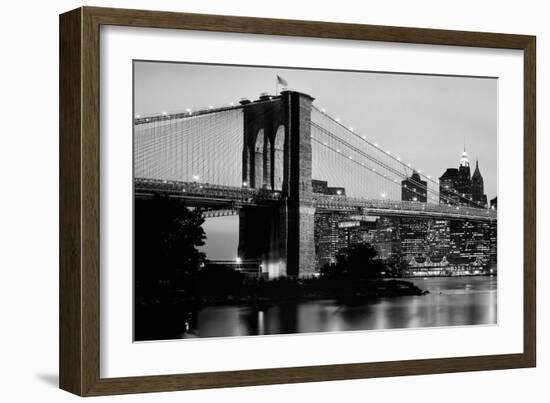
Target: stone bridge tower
x=277, y=156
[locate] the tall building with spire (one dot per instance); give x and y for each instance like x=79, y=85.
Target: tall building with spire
x=477, y=187
x=464, y=181
x=457, y=186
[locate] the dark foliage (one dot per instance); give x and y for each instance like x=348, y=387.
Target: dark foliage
x=358, y=261
x=217, y=282
x=167, y=236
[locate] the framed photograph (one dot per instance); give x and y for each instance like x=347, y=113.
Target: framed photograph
x=249, y=201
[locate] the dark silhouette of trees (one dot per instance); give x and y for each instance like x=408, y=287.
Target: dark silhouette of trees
x=218, y=282
x=167, y=235
x=358, y=261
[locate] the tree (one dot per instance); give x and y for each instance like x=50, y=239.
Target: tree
x=167, y=235
x=358, y=261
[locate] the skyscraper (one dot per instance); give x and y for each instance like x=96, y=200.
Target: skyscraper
x=414, y=189
x=464, y=181
x=494, y=202
x=477, y=187
x=447, y=187
x=456, y=186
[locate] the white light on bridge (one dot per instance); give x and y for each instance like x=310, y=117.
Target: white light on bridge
x=351, y=129
x=196, y=177
x=238, y=260
x=324, y=110
x=383, y=195
x=138, y=116
x=164, y=113
x=325, y=143
x=337, y=119
x=376, y=144
x=429, y=177
x=232, y=103
x=388, y=152
x=350, y=157
x=210, y=107
x=337, y=151
x=398, y=158
x=338, y=192
x=364, y=137
x=245, y=184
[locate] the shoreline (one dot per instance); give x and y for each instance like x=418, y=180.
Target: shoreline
x=382, y=288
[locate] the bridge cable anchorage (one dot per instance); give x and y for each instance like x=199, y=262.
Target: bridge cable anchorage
x=428, y=178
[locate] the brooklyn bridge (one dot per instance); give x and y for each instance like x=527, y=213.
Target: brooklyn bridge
x=294, y=174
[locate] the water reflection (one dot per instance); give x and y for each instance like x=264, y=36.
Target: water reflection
x=451, y=302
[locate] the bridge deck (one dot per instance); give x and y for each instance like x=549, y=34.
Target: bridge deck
x=209, y=194
x=206, y=193
x=401, y=208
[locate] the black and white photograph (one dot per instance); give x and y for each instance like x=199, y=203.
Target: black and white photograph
x=273, y=201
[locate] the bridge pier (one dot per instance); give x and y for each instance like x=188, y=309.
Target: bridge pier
x=293, y=253
x=301, y=212
x=262, y=237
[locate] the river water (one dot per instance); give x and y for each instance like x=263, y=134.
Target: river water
x=452, y=301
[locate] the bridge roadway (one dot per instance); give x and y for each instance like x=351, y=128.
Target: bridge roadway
x=230, y=198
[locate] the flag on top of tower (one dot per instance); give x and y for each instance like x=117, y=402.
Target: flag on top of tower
x=282, y=81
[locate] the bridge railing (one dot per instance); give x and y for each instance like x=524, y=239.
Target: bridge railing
x=245, y=194
x=346, y=202
x=206, y=190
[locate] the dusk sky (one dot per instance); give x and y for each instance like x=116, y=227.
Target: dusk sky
x=425, y=119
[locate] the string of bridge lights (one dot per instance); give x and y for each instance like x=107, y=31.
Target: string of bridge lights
x=351, y=130
x=364, y=166
x=374, y=160
x=190, y=112
x=376, y=145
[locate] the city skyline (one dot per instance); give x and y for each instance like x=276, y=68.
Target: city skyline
x=427, y=106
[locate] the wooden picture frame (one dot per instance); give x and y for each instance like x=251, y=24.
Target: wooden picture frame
x=79, y=201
